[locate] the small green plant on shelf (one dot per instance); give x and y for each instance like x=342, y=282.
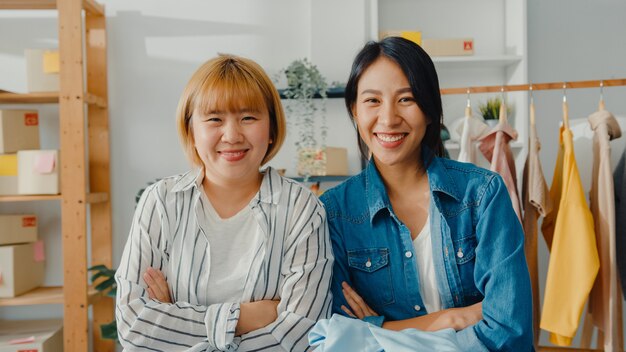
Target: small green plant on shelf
x=490, y=110
x=304, y=82
x=109, y=287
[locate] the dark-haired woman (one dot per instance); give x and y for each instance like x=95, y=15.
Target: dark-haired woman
x=421, y=241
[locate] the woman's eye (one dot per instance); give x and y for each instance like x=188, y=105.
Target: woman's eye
x=406, y=99
x=213, y=119
x=371, y=100
x=249, y=118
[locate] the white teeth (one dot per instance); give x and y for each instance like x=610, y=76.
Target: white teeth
x=233, y=153
x=390, y=137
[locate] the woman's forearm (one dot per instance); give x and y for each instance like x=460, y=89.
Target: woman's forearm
x=455, y=318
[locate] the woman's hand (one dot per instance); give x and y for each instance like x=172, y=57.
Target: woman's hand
x=358, y=307
x=256, y=315
x=461, y=318
x=157, y=285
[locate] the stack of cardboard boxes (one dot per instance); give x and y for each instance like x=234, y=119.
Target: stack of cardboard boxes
x=24, y=168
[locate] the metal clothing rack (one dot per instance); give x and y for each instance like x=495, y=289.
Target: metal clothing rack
x=587, y=326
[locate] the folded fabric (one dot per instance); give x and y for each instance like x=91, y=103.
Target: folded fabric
x=340, y=333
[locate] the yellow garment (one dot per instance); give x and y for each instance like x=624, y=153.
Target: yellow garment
x=574, y=259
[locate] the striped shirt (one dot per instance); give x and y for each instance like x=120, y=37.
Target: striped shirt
x=293, y=263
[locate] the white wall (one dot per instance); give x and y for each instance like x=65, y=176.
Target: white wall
x=567, y=41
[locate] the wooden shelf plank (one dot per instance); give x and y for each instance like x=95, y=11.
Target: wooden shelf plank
x=88, y=5
x=93, y=7
x=19, y=198
x=97, y=197
x=45, y=295
x=45, y=98
x=29, y=98
x=28, y=4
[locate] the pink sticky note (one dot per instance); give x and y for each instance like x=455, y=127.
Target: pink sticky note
x=22, y=340
x=0, y=278
x=44, y=163
x=39, y=254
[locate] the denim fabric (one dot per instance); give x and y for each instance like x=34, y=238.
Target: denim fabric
x=478, y=249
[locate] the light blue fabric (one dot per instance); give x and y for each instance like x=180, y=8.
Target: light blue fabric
x=478, y=252
x=346, y=334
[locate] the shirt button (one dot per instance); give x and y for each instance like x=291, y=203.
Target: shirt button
x=417, y=307
x=408, y=254
x=368, y=264
x=460, y=253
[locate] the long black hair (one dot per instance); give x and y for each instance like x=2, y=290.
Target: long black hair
x=422, y=76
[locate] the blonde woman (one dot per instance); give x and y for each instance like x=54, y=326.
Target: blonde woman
x=225, y=257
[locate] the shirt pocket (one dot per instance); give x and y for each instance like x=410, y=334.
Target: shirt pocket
x=371, y=275
x=465, y=254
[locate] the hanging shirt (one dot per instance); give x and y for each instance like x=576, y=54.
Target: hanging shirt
x=495, y=147
x=605, y=299
x=574, y=259
x=423, y=246
x=170, y=231
x=471, y=129
x=232, y=243
x=619, y=177
x=536, y=203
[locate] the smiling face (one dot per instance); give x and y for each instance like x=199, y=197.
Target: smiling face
x=231, y=144
x=388, y=118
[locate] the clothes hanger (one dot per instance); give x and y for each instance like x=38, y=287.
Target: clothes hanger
x=565, y=108
x=502, y=118
x=601, y=104
x=468, y=107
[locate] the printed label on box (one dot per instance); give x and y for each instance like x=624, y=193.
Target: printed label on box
x=31, y=119
x=468, y=45
x=29, y=221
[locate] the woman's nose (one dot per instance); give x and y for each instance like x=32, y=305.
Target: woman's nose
x=232, y=133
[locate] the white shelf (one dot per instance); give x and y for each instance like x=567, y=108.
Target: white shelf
x=443, y=62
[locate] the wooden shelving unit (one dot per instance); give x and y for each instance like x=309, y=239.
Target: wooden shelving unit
x=84, y=168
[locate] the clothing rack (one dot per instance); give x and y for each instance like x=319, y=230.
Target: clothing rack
x=537, y=86
x=587, y=327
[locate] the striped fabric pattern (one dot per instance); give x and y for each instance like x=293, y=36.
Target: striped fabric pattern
x=292, y=264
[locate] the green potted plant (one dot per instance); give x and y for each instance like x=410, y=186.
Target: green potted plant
x=490, y=110
x=304, y=83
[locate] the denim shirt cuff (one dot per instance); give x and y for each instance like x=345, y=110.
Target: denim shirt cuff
x=468, y=339
x=375, y=320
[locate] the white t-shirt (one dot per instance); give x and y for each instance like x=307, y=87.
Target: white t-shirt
x=231, y=242
x=426, y=269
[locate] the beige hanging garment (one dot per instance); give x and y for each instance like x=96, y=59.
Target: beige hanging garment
x=605, y=300
x=495, y=147
x=536, y=203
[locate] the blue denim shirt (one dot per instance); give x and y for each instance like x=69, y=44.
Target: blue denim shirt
x=478, y=251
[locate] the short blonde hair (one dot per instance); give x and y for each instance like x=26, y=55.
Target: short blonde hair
x=229, y=83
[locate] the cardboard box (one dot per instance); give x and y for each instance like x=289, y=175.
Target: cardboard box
x=21, y=267
x=19, y=130
x=17, y=229
x=414, y=36
x=449, y=47
x=38, y=335
x=42, y=70
x=38, y=172
x=330, y=161
x=8, y=174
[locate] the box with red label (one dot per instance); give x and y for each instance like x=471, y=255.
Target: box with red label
x=21, y=268
x=31, y=335
x=449, y=47
x=17, y=229
x=8, y=174
x=19, y=130
x=38, y=172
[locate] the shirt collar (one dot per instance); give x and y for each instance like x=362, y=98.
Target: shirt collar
x=269, y=192
x=192, y=178
x=439, y=180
